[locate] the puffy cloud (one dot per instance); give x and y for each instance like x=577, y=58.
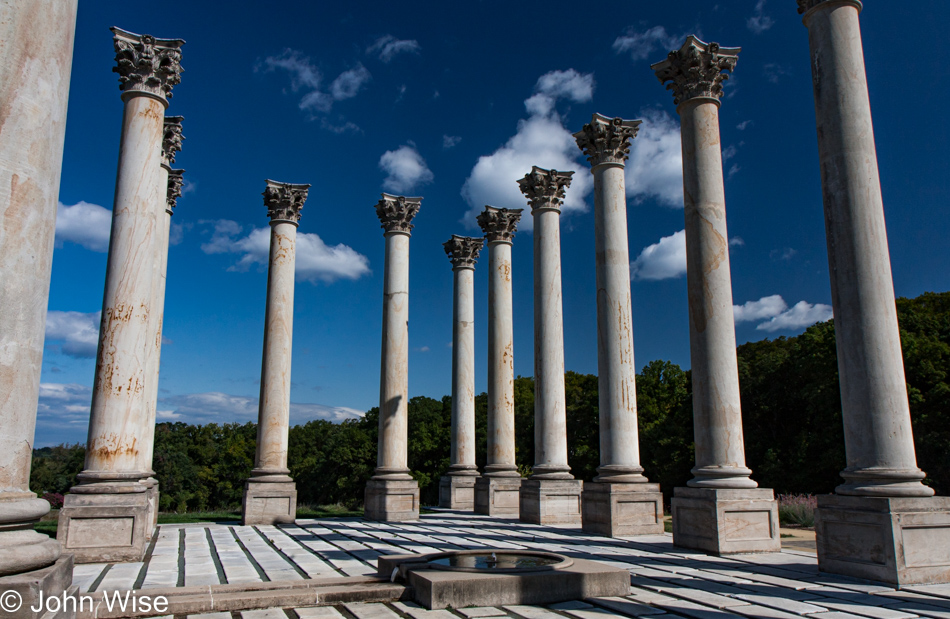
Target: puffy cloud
x=640, y=44
x=405, y=169
x=348, y=83
x=89, y=225
x=665, y=259
x=307, y=79
x=217, y=407
x=541, y=140
x=766, y=307
x=62, y=413
x=388, y=47
x=655, y=167
x=315, y=260
x=759, y=22
x=777, y=316
x=77, y=332
x=450, y=141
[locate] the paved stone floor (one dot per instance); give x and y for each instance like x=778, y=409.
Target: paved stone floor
x=664, y=579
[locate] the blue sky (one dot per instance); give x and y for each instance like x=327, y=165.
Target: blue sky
x=453, y=102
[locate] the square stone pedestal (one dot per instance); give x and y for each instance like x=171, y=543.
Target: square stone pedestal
x=389, y=500
x=105, y=527
x=901, y=541
x=498, y=496
x=551, y=501
x=457, y=492
x=616, y=510
x=269, y=502
x=49, y=582
x=723, y=522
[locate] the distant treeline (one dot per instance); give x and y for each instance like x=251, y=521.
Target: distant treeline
x=791, y=416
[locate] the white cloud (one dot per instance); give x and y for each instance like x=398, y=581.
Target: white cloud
x=388, y=47
x=62, y=413
x=405, y=169
x=665, y=259
x=450, y=141
x=655, y=167
x=733, y=171
x=77, y=332
x=766, y=307
x=759, y=22
x=541, y=140
x=777, y=316
x=348, y=83
x=774, y=72
x=736, y=241
x=786, y=253
x=315, y=260
x=217, y=407
x=89, y=225
x=641, y=44
x=744, y=125
x=729, y=152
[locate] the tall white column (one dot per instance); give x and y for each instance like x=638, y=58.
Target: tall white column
x=720, y=475
x=119, y=419
x=619, y=501
x=551, y=495
x=392, y=494
x=881, y=475
x=497, y=491
x=36, y=49
x=457, y=487
x=270, y=495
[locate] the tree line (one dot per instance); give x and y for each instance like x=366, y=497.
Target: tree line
x=791, y=410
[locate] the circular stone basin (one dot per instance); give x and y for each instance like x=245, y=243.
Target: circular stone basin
x=497, y=561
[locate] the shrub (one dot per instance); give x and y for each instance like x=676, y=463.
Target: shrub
x=797, y=509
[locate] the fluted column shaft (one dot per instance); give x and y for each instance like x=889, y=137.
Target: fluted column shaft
x=463, y=373
x=879, y=442
x=501, y=369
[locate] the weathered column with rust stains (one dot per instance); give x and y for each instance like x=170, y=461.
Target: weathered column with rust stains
x=721, y=511
x=270, y=495
x=105, y=516
x=392, y=494
x=457, y=487
x=497, y=490
x=882, y=481
x=551, y=495
x=36, y=49
x=619, y=501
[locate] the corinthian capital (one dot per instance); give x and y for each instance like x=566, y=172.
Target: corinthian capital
x=463, y=251
x=284, y=201
x=696, y=69
x=396, y=212
x=545, y=188
x=171, y=138
x=499, y=224
x=146, y=64
x=175, y=182
x=806, y=5
x=607, y=140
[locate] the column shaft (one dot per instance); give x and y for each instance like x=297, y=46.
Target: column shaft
x=463, y=373
x=501, y=369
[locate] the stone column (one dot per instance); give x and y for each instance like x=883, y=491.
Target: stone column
x=392, y=494
x=721, y=511
x=620, y=500
x=36, y=48
x=551, y=495
x=882, y=482
x=105, y=517
x=270, y=495
x=497, y=490
x=457, y=487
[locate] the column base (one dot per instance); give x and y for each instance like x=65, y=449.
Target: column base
x=551, y=501
x=457, y=492
x=726, y=521
x=105, y=523
x=497, y=496
x=37, y=587
x=152, y=484
x=900, y=541
x=615, y=509
x=269, y=502
x=391, y=500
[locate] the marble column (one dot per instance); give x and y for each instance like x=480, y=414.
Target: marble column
x=497, y=490
x=721, y=511
x=882, y=484
x=620, y=500
x=551, y=495
x=270, y=495
x=457, y=487
x=392, y=494
x=35, y=64
x=105, y=516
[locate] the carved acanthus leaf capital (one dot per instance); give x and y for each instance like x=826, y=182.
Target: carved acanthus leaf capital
x=284, y=201
x=806, y=5
x=175, y=183
x=545, y=188
x=499, y=224
x=396, y=212
x=463, y=251
x=607, y=140
x=147, y=64
x=696, y=69
x=171, y=138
